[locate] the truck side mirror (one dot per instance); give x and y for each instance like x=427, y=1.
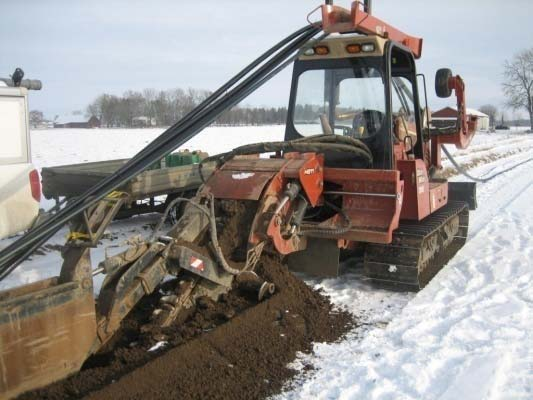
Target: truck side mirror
x=442, y=79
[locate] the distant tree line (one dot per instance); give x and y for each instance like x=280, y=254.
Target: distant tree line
x=165, y=107
x=253, y=116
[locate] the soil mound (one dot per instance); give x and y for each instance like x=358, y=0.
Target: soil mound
x=231, y=349
x=245, y=357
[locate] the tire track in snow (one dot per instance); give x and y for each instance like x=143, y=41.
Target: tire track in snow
x=467, y=335
x=500, y=192
x=493, y=147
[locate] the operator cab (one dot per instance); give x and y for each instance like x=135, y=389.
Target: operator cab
x=358, y=86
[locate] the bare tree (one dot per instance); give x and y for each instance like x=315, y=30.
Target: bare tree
x=491, y=111
x=110, y=110
x=150, y=96
x=95, y=108
x=36, y=117
x=518, y=83
x=131, y=106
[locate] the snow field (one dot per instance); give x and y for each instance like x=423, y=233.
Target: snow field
x=467, y=335
x=69, y=146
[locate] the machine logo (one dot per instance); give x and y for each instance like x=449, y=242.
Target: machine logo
x=309, y=171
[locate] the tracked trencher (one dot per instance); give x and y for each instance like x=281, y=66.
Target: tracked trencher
x=357, y=173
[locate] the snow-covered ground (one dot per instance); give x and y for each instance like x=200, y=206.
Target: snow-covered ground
x=467, y=335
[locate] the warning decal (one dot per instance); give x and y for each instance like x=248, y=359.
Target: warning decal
x=196, y=263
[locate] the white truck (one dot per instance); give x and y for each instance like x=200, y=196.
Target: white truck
x=20, y=188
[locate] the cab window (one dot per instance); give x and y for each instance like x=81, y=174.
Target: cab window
x=344, y=101
x=403, y=112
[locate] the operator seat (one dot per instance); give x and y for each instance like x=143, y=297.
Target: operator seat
x=405, y=128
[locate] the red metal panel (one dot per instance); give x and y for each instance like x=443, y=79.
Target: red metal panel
x=347, y=174
x=373, y=201
x=416, y=189
x=292, y=166
x=338, y=19
x=309, y=170
x=238, y=185
x=311, y=177
x=399, y=152
x=369, y=24
x=438, y=195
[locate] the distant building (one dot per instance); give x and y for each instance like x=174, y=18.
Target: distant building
x=77, y=121
x=143, y=122
x=448, y=115
x=44, y=125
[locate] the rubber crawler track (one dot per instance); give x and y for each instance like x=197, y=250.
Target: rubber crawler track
x=419, y=249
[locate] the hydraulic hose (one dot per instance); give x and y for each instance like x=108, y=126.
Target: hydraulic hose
x=314, y=144
x=480, y=180
x=210, y=213
x=175, y=136
x=163, y=218
x=214, y=241
x=330, y=231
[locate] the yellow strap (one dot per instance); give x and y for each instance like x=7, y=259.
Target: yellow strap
x=115, y=194
x=78, y=235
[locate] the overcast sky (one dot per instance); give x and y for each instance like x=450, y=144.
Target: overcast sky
x=82, y=49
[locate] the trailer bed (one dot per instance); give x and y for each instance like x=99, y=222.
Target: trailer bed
x=72, y=180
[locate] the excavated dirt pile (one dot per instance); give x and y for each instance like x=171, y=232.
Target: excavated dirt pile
x=232, y=349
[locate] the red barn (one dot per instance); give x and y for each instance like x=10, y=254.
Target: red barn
x=448, y=115
x=75, y=121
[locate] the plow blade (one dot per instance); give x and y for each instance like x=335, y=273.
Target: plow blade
x=47, y=331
